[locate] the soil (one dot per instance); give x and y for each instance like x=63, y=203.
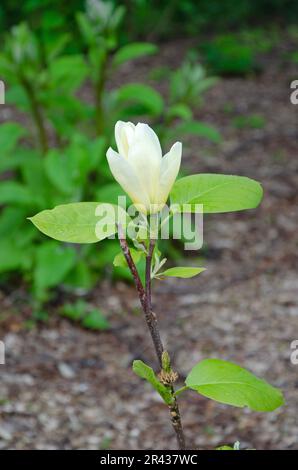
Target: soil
x=67, y=388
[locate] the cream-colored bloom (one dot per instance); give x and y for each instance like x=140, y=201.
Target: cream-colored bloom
x=139, y=167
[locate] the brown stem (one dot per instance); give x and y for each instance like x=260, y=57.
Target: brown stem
x=176, y=423
x=99, y=89
x=149, y=314
x=151, y=320
x=174, y=408
x=37, y=115
x=132, y=266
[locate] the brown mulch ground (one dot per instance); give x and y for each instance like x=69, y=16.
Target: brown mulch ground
x=66, y=388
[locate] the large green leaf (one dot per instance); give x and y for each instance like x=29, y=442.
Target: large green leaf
x=147, y=373
x=133, y=51
x=10, y=133
x=110, y=192
x=144, y=95
x=80, y=222
x=10, y=255
x=179, y=271
x=67, y=73
x=95, y=320
x=120, y=261
x=217, y=193
x=11, y=218
x=12, y=192
x=53, y=262
x=199, y=129
x=228, y=383
x=59, y=169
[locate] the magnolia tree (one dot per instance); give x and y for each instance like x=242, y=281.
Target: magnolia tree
x=149, y=179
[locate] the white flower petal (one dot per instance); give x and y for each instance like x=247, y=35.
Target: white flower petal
x=124, y=134
x=170, y=166
x=145, y=157
x=146, y=135
x=125, y=175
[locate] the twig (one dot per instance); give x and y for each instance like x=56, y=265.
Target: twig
x=99, y=89
x=37, y=115
x=177, y=425
x=151, y=320
x=149, y=314
x=132, y=266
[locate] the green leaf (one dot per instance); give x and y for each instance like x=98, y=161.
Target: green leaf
x=141, y=94
x=95, y=320
x=80, y=311
x=181, y=111
x=85, y=28
x=53, y=262
x=67, y=73
x=83, y=276
x=59, y=170
x=145, y=372
x=74, y=311
x=12, y=192
x=11, y=218
x=120, y=261
x=78, y=222
x=228, y=383
x=225, y=448
x=133, y=51
x=110, y=193
x=199, y=129
x=178, y=271
x=217, y=193
x=10, y=255
x=10, y=133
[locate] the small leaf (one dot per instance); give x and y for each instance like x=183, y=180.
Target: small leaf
x=95, y=320
x=141, y=94
x=12, y=192
x=120, y=261
x=10, y=133
x=80, y=222
x=133, y=51
x=74, y=311
x=110, y=193
x=145, y=372
x=217, y=193
x=181, y=111
x=178, y=271
x=59, y=171
x=199, y=129
x=67, y=73
x=228, y=383
x=53, y=262
x=10, y=255
x=225, y=448
x=236, y=446
x=11, y=219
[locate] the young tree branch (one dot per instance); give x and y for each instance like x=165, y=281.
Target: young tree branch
x=151, y=320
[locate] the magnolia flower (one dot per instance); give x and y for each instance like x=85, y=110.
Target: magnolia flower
x=139, y=167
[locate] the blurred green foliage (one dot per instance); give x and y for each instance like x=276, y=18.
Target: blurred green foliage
x=85, y=315
x=56, y=152
x=237, y=53
x=154, y=18
x=225, y=56
x=252, y=121
x=62, y=64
